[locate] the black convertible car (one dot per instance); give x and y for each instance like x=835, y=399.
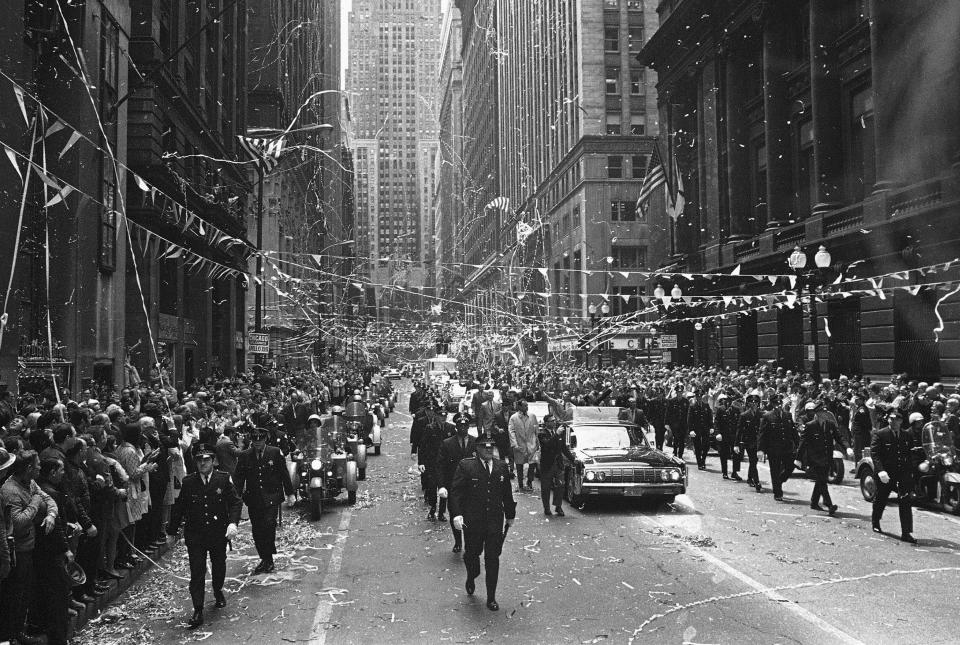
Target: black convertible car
x=615, y=458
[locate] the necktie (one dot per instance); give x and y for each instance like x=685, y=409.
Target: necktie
x=489, y=467
x=463, y=445
x=206, y=480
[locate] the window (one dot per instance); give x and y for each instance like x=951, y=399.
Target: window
x=638, y=166
x=638, y=125
x=576, y=217
x=636, y=82
x=611, y=80
x=613, y=123
x=611, y=4
x=758, y=184
x=611, y=38
x=621, y=211
x=615, y=167
x=805, y=188
x=635, y=5
x=862, y=152
x=636, y=39
x=628, y=257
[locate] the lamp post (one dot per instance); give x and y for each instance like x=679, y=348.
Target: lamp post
x=810, y=279
x=595, y=319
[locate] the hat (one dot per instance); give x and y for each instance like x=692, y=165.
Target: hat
x=75, y=573
x=460, y=417
x=259, y=434
x=203, y=450
x=722, y=397
x=6, y=459
x=490, y=444
x=811, y=405
x=893, y=412
x=314, y=417
x=915, y=416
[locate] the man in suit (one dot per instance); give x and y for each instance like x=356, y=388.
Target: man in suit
x=820, y=434
x=778, y=438
x=677, y=407
x=428, y=451
x=748, y=428
x=482, y=505
x=262, y=478
x=452, y=451
x=209, y=508
x=725, y=422
x=892, y=449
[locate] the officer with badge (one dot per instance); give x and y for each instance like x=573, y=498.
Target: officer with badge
x=453, y=450
x=482, y=506
x=262, y=479
x=209, y=509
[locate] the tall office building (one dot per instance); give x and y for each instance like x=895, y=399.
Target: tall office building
x=392, y=83
x=450, y=212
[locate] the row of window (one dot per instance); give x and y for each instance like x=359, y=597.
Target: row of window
x=611, y=81
x=611, y=38
x=615, y=169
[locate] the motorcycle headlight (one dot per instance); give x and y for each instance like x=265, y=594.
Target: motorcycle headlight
x=948, y=461
x=329, y=473
x=590, y=476
x=316, y=464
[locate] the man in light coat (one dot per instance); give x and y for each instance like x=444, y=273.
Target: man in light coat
x=522, y=428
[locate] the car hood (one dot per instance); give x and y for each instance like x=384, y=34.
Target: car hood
x=635, y=455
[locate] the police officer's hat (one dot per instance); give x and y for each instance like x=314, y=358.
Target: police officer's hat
x=489, y=444
x=259, y=434
x=203, y=450
x=460, y=417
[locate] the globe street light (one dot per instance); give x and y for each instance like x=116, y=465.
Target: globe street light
x=811, y=279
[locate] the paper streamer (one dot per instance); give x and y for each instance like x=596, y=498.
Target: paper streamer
x=936, y=310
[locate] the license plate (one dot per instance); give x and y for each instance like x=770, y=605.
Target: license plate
x=633, y=492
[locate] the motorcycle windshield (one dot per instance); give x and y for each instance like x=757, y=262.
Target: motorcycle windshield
x=937, y=441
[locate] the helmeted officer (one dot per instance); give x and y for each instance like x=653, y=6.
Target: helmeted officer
x=725, y=423
x=482, y=506
x=209, y=508
x=262, y=478
x=815, y=451
x=453, y=450
x=892, y=449
x=748, y=430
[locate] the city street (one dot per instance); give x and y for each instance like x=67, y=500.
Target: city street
x=723, y=564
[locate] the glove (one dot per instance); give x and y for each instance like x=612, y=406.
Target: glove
x=458, y=522
x=797, y=463
x=736, y=450
x=883, y=476
x=291, y=500
x=231, y=531
x=849, y=453
x=91, y=531
x=442, y=493
x=421, y=468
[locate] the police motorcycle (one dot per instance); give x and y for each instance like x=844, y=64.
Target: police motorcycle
x=362, y=431
x=322, y=468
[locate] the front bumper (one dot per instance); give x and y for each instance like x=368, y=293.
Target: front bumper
x=633, y=490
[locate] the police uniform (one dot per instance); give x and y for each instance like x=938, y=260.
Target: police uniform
x=453, y=450
x=482, y=495
x=778, y=438
x=262, y=479
x=205, y=507
x=892, y=452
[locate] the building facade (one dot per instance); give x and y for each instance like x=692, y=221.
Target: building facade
x=818, y=123
x=294, y=81
x=575, y=120
x=449, y=245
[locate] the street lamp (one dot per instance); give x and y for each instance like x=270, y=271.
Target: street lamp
x=811, y=279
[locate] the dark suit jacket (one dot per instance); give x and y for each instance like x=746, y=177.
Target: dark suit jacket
x=894, y=454
x=205, y=511
x=778, y=433
x=262, y=480
x=483, y=499
x=450, y=456
x=817, y=442
x=748, y=429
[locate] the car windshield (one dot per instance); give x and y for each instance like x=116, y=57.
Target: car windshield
x=612, y=436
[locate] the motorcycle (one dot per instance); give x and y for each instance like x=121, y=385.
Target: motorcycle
x=322, y=468
x=940, y=468
x=926, y=477
x=360, y=430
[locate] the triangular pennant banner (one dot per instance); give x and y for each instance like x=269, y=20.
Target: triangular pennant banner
x=23, y=107
x=74, y=137
x=13, y=161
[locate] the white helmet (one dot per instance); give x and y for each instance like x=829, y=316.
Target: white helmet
x=915, y=416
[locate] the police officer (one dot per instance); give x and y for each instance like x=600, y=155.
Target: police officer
x=748, y=430
x=209, y=508
x=725, y=422
x=482, y=506
x=892, y=449
x=700, y=424
x=453, y=450
x=816, y=452
x=778, y=438
x=676, y=420
x=428, y=452
x=262, y=478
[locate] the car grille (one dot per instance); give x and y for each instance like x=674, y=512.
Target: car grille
x=632, y=475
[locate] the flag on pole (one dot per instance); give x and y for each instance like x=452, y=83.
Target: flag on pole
x=265, y=152
x=500, y=203
x=655, y=177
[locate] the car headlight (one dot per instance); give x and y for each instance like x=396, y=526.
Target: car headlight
x=948, y=461
x=675, y=475
x=590, y=476
x=665, y=475
x=316, y=464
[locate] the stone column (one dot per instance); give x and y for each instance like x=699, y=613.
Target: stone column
x=826, y=99
x=776, y=106
x=736, y=86
x=888, y=79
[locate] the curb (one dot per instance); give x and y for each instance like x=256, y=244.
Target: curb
x=117, y=588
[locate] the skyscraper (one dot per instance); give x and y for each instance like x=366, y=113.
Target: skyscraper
x=392, y=83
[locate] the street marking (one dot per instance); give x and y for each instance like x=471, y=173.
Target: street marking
x=318, y=631
x=759, y=587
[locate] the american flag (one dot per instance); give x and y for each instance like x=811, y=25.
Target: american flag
x=655, y=177
x=265, y=151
